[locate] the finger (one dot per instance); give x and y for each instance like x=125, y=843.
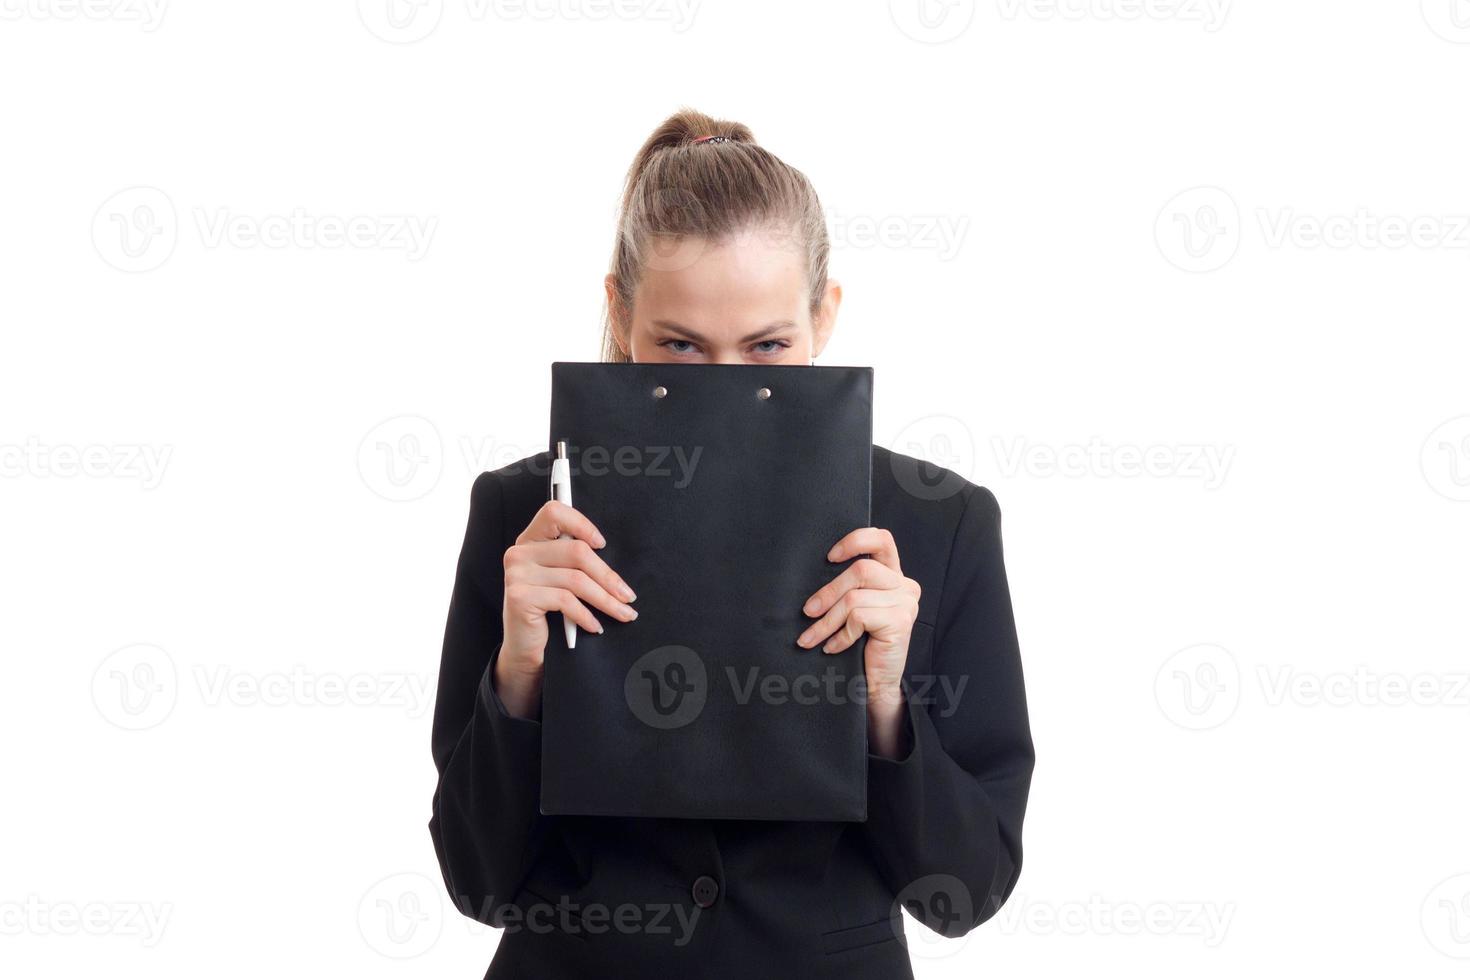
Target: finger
x=573, y=553
x=865, y=573
x=584, y=587
x=874, y=541
x=859, y=621
x=842, y=609
x=546, y=599
x=555, y=519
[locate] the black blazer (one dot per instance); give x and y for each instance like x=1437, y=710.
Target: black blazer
x=588, y=897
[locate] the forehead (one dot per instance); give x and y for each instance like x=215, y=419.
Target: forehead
x=753, y=275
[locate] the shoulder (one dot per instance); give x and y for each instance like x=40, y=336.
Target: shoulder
x=940, y=521
x=919, y=493
x=512, y=482
x=947, y=529
x=508, y=497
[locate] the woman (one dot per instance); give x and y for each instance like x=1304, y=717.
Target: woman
x=721, y=257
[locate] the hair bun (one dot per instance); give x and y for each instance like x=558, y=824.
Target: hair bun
x=688, y=127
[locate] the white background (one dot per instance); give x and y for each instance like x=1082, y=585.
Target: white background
x=1229, y=239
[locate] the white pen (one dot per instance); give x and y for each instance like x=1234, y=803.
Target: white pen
x=561, y=490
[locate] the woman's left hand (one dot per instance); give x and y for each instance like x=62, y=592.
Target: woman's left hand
x=870, y=596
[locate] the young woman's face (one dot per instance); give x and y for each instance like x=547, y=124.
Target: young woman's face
x=741, y=301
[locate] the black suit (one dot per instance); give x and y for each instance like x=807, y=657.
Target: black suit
x=593, y=897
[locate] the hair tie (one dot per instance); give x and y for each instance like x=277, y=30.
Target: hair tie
x=712, y=139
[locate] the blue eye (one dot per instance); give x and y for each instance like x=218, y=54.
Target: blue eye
x=771, y=346
x=679, y=346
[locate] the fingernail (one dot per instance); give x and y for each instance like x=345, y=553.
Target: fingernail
x=811, y=606
x=630, y=612
x=827, y=648
x=832, y=555
x=627, y=593
x=601, y=541
x=802, y=640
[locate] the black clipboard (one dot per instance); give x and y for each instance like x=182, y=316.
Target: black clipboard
x=720, y=489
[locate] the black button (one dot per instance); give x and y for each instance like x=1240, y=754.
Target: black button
x=705, y=890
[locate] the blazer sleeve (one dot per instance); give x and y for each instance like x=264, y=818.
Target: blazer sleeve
x=944, y=822
x=486, y=823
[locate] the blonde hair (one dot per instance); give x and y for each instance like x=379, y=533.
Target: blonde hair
x=684, y=186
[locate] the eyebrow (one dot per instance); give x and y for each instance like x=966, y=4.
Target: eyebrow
x=769, y=330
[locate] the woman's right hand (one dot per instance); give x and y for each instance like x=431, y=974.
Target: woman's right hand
x=545, y=574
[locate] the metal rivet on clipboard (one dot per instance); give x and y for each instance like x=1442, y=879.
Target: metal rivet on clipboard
x=660, y=391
